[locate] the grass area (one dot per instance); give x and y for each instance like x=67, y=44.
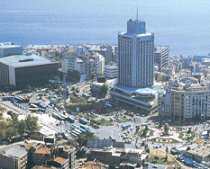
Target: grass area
x=83, y=104
x=123, y=119
x=88, y=116
x=78, y=100
x=159, y=156
x=187, y=136
x=102, y=121
x=144, y=132
x=97, y=120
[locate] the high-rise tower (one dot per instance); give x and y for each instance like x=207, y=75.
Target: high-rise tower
x=136, y=56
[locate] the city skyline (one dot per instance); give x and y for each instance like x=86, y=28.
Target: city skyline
x=133, y=104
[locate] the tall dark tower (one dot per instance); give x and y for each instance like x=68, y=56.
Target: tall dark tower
x=136, y=56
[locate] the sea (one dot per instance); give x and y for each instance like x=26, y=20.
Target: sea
x=184, y=25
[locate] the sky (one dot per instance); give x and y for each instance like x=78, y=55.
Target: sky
x=178, y=23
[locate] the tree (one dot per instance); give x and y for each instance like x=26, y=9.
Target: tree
x=137, y=129
x=2, y=109
x=31, y=123
x=13, y=127
x=3, y=127
x=10, y=132
x=189, y=131
x=104, y=90
x=144, y=131
x=83, y=138
x=166, y=129
x=21, y=127
x=166, y=153
x=146, y=148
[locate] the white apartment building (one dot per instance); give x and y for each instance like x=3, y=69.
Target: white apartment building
x=187, y=102
x=111, y=71
x=161, y=57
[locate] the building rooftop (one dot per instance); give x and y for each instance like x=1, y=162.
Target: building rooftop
x=159, y=49
x=24, y=60
x=146, y=91
x=79, y=60
x=202, y=151
x=113, y=66
x=93, y=165
x=136, y=35
x=142, y=91
x=17, y=151
x=43, y=150
x=43, y=167
x=60, y=160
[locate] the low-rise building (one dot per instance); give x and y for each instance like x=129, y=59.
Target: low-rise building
x=59, y=162
x=187, y=101
x=43, y=167
x=41, y=154
x=145, y=99
x=13, y=157
x=111, y=71
x=23, y=70
x=200, y=153
x=93, y=165
x=112, y=152
x=62, y=157
x=115, y=156
x=9, y=49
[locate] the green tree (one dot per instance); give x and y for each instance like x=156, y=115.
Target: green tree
x=166, y=129
x=189, y=131
x=21, y=127
x=166, y=154
x=145, y=131
x=14, y=117
x=13, y=127
x=31, y=123
x=10, y=132
x=104, y=90
x=83, y=138
x=3, y=128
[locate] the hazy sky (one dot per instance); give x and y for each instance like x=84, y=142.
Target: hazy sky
x=173, y=21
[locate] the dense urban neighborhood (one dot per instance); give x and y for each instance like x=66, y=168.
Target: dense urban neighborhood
x=100, y=106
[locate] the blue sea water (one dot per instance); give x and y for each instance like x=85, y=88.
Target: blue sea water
x=184, y=25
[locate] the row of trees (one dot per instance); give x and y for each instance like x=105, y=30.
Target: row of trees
x=13, y=127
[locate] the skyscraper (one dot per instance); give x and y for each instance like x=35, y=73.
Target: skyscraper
x=162, y=57
x=136, y=67
x=136, y=56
